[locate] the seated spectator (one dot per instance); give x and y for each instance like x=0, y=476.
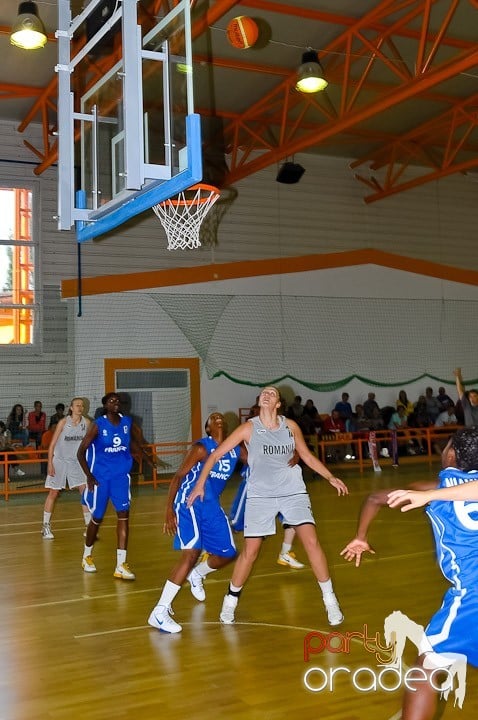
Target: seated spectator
x=447, y=417
x=296, y=410
x=443, y=399
x=344, y=408
x=359, y=421
x=420, y=413
x=376, y=422
x=57, y=415
x=404, y=402
x=399, y=422
x=370, y=405
x=334, y=425
x=5, y=446
x=16, y=424
x=433, y=406
x=36, y=423
x=311, y=418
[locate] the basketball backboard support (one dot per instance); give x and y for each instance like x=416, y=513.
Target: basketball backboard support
x=128, y=134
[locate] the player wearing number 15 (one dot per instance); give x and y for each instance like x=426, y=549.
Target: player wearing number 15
x=202, y=526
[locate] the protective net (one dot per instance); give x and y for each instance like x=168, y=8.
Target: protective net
x=321, y=342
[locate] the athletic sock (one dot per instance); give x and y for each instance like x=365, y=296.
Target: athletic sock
x=203, y=569
x=234, y=590
x=326, y=587
x=170, y=590
x=87, y=551
x=87, y=517
x=286, y=547
x=46, y=518
x=120, y=557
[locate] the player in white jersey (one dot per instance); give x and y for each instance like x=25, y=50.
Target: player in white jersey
x=63, y=465
x=274, y=487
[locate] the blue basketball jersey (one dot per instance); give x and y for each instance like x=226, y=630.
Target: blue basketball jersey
x=455, y=527
x=452, y=629
x=109, y=453
x=219, y=475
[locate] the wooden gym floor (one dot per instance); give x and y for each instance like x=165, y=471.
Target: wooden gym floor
x=78, y=646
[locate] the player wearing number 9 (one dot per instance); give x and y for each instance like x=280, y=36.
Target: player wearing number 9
x=203, y=526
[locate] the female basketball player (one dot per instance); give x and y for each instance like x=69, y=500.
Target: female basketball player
x=274, y=487
x=63, y=465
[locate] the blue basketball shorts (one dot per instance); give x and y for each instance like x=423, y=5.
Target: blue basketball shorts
x=116, y=489
x=453, y=628
x=203, y=526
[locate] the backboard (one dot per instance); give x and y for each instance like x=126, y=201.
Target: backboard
x=128, y=134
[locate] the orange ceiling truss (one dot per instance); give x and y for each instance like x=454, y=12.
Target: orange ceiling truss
x=273, y=128
x=435, y=149
x=368, y=73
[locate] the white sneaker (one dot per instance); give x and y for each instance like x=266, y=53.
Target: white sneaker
x=332, y=608
x=288, y=558
x=229, y=605
x=384, y=453
x=161, y=619
x=88, y=565
x=197, y=588
x=46, y=532
x=19, y=472
x=124, y=572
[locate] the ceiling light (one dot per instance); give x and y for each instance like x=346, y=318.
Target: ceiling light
x=310, y=76
x=28, y=31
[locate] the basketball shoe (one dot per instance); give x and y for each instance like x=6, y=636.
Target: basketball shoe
x=46, y=532
x=229, y=605
x=88, y=565
x=288, y=558
x=123, y=572
x=161, y=619
x=332, y=608
x=196, y=582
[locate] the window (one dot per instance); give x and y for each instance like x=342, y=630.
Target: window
x=18, y=311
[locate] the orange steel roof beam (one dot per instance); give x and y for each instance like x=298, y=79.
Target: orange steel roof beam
x=363, y=110
x=445, y=136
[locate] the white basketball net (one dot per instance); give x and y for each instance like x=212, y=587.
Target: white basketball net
x=182, y=215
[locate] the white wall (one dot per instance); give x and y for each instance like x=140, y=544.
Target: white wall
x=324, y=213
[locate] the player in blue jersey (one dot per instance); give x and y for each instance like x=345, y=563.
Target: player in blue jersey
x=105, y=457
x=451, y=634
x=203, y=526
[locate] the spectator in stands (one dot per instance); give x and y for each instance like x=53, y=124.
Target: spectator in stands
x=420, y=413
x=36, y=423
x=310, y=420
x=444, y=400
x=469, y=400
x=433, y=406
x=5, y=446
x=334, y=425
x=58, y=415
x=344, y=409
x=447, y=417
x=296, y=410
x=370, y=405
x=359, y=420
x=254, y=409
x=404, y=402
x=399, y=422
x=16, y=424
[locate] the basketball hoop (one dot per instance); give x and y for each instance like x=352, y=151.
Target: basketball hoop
x=181, y=216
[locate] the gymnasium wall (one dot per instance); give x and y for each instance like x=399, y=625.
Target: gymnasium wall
x=324, y=213
x=314, y=333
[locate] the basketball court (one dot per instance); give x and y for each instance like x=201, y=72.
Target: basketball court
x=77, y=644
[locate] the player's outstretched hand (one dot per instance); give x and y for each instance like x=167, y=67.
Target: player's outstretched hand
x=355, y=549
x=411, y=498
x=339, y=485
